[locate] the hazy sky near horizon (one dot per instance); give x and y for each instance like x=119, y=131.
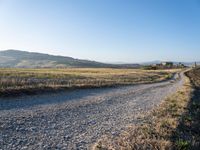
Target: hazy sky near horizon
x=103, y=30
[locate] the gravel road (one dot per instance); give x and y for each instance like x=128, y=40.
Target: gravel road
x=75, y=119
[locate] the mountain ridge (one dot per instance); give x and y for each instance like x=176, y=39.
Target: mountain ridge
x=23, y=59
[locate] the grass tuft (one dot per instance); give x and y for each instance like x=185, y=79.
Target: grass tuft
x=182, y=145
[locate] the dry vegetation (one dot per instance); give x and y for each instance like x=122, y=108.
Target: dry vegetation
x=15, y=81
x=173, y=125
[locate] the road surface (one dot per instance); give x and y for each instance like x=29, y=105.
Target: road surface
x=75, y=119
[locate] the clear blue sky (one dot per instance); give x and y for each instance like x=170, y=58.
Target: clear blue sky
x=103, y=30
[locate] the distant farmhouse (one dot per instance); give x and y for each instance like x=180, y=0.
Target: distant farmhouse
x=165, y=65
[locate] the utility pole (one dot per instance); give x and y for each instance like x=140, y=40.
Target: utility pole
x=195, y=64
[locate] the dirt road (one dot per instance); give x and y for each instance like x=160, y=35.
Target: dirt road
x=75, y=119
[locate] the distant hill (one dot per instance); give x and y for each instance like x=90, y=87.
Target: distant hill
x=23, y=59
x=151, y=62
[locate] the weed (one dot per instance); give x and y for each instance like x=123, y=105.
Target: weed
x=182, y=145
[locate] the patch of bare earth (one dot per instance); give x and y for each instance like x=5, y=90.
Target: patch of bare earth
x=172, y=125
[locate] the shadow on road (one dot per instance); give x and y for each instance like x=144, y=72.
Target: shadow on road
x=51, y=98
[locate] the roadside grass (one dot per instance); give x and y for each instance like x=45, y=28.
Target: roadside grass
x=15, y=81
x=172, y=125
x=187, y=135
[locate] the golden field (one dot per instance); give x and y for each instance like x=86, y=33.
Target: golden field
x=14, y=80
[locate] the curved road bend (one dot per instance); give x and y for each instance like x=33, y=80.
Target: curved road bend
x=75, y=119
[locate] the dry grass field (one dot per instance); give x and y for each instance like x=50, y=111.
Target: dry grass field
x=15, y=81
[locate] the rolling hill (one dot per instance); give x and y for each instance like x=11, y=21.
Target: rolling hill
x=23, y=59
